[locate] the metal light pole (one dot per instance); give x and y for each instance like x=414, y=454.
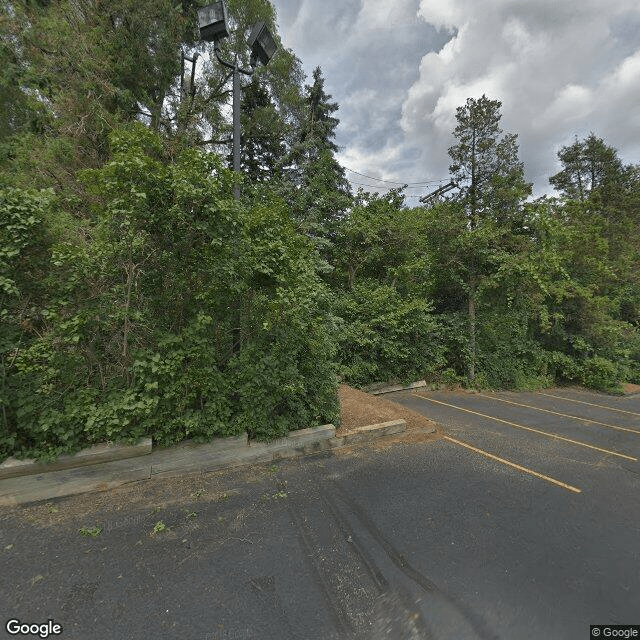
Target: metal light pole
x=212, y=21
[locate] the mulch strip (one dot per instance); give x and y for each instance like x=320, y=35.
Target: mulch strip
x=359, y=409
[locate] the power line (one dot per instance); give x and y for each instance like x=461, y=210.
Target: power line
x=439, y=191
x=391, y=181
x=404, y=195
x=379, y=186
x=373, y=186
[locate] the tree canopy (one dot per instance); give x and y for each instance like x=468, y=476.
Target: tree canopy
x=139, y=297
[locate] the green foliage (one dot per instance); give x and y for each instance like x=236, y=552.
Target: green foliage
x=386, y=336
x=563, y=367
x=159, y=527
x=492, y=188
x=24, y=243
x=263, y=134
x=22, y=234
x=508, y=357
x=373, y=242
x=136, y=335
x=591, y=169
x=314, y=182
x=596, y=372
x=485, y=166
x=284, y=376
x=139, y=298
x=600, y=373
x=523, y=294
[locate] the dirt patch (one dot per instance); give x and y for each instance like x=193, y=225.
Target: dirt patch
x=359, y=409
x=629, y=388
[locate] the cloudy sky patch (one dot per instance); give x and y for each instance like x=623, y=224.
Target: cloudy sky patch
x=399, y=69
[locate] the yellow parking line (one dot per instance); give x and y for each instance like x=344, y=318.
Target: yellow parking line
x=543, y=433
x=564, y=415
x=591, y=404
x=514, y=465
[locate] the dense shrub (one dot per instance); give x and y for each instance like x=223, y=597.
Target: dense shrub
x=600, y=373
x=386, y=336
x=133, y=333
x=507, y=357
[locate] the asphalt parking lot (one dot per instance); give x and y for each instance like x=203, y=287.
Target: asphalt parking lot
x=521, y=523
x=541, y=428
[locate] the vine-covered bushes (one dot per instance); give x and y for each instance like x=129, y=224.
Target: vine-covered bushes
x=24, y=259
x=509, y=358
x=170, y=310
x=386, y=336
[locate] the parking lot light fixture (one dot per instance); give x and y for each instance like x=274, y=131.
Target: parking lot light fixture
x=212, y=21
x=213, y=27
x=262, y=44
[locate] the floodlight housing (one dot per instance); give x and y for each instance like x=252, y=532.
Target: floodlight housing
x=212, y=21
x=262, y=44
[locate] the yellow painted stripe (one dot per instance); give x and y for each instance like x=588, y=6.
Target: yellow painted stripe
x=543, y=433
x=591, y=404
x=514, y=465
x=564, y=415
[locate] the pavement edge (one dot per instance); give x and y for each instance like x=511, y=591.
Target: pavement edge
x=224, y=453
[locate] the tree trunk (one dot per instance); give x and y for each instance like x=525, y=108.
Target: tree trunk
x=351, y=277
x=156, y=111
x=472, y=274
x=472, y=327
x=473, y=181
x=580, y=187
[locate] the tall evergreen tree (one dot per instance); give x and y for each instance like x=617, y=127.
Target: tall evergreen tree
x=263, y=134
x=486, y=167
x=590, y=168
x=320, y=127
x=317, y=187
x=492, y=187
x=598, y=189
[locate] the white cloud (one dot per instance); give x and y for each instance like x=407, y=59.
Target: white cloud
x=400, y=68
x=444, y=14
x=626, y=77
x=571, y=103
x=553, y=64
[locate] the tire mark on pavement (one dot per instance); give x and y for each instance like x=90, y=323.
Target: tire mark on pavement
x=340, y=618
x=395, y=615
x=456, y=619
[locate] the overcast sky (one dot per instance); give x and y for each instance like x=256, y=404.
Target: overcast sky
x=399, y=68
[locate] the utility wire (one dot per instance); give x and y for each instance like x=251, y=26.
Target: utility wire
x=404, y=195
x=391, y=181
x=378, y=186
